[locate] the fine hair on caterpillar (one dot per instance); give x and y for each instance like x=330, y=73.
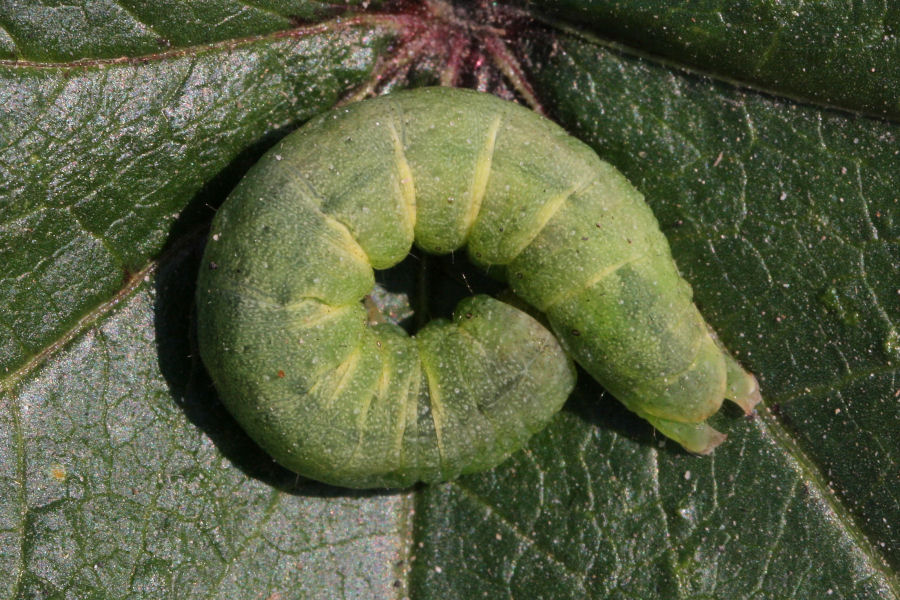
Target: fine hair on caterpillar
x=285, y=335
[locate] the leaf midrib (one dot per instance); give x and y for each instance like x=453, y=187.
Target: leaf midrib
x=331, y=26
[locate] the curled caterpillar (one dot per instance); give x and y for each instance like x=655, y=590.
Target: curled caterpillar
x=284, y=335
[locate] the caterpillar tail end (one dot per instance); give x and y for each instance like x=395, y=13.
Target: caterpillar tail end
x=696, y=438
x=741, y=387
x=749, y=401
x=699, y=438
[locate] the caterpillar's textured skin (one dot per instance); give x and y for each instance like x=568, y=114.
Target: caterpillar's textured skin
x=284, y=335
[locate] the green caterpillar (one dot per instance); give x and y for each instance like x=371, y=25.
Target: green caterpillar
x=284, y=335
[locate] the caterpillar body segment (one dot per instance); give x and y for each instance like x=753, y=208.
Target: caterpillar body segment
x=284, y=334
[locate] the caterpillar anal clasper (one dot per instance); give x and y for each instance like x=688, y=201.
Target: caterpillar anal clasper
x=284, y=335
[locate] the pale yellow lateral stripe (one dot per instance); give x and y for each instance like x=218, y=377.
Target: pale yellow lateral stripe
x=301, y=326
x=349, y=242
x=361, y=423
x=342, y=230
x=405, y=182
x=323, y=314
x=407, y=412
x=413, y=453
x=364, y=413
x=437, y=410
x=481, y=175
x=547, y=211
x=723, y=383
x=590, y=282
x=345, y=371
x=384, y=381
x=379, y=392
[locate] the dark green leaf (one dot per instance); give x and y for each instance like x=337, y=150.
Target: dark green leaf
x=97, y=161
x=827, y=51
x=44, y=30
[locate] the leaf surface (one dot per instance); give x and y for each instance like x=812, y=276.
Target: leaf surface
x=828, y=51
x=122, y=476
